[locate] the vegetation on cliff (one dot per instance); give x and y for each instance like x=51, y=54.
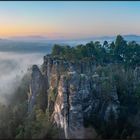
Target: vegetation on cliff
x=16, y=123
x=118, y=51
x=123, y=57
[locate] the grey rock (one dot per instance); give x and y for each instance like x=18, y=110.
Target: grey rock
x=80, y=93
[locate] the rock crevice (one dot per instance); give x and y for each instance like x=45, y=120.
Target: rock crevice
x=75, y=92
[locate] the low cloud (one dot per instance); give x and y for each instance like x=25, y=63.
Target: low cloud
x=12, y=68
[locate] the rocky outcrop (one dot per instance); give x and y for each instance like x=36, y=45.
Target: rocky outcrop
x=75, y=92
x=38, y=90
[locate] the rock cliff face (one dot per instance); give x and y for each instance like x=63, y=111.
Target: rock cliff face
x=38, y=90
x=73, y=93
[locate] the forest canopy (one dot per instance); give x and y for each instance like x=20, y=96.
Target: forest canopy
x=118, y=51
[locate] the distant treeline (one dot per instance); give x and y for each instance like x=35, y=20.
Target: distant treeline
x=118, y=51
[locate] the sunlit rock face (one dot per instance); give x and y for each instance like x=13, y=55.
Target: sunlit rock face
x=75, y=92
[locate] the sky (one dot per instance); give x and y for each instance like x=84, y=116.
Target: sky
x=69, y=19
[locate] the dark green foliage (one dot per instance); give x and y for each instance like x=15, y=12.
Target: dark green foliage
x=120, y=46
x=126, y=53
x=129, y=98
x=37, y=126
x=16, y=123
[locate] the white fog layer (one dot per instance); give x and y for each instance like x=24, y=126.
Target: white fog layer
x=12, y=68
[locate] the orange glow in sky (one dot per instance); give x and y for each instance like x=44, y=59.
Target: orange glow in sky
x=69, y=19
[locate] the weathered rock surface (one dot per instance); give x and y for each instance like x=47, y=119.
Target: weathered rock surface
x=75, y=92
x=38, y=90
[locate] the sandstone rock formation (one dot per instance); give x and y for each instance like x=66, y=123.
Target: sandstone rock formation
x=73, y=92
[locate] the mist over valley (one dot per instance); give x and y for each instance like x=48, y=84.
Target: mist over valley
x=13, y=66
x=19, y=54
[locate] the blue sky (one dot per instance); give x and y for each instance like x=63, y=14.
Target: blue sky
x=69, y=19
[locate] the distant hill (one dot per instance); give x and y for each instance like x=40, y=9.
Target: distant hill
x=24, y=46
x=44, y=39
x=44, y=44
x=32, y=38
x=103, y=38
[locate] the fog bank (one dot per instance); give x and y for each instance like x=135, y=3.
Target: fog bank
x=12, y=68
